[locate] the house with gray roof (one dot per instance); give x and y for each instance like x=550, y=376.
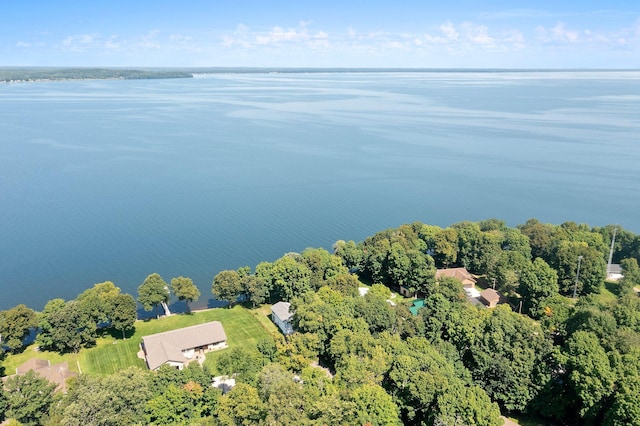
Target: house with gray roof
x=179, y=347
x=56, y=373
x=281, y=315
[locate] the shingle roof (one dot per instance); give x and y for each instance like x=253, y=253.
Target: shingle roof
x=490, y=295
x=459, y=273
x=57, y=373
x=281, y=309
x=168, y=346
x=33, y=364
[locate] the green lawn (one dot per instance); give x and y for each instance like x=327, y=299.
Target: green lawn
x=243, y=328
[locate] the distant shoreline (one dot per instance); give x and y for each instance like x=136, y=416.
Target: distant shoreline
x=35, y=74
x=48, y=74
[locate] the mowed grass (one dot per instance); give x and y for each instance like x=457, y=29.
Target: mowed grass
x=243, y=327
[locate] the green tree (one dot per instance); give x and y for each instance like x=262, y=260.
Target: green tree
x=3, y=403
x=123, y=317
x=29, y=398
x=508, y=358
x=350, y=253
x=243, y=363
x=375, y=310
x=625, y=410
x=593, y=267
x=540, y=236
x=98, y=301
x=287, y=404
x=154, y=291
x=538, y=281
x=290, y=277
x=469, y=235
x=15, y=325
x=590, y=374
x=241, y=406
x=184, y=289
x=374, y=406
x=118, y=399
x=255, y=289
x=45, y=337
x=631, y=272
x=227, y=286
x=66, y=327
x=322, y=266
x=466, y=405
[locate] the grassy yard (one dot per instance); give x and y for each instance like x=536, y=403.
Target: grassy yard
x=243, y=328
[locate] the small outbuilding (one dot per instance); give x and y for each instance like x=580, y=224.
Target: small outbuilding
x=490, y=297
x=281, y=315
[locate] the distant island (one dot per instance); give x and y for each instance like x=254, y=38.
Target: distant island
x=22, y=74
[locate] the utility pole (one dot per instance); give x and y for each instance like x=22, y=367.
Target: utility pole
x=575, y=286
x=613, y=241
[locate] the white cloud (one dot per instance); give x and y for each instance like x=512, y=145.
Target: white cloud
x=449, y=31
x=149, y=40
x=478, y=34
x=23, y=44
x=112, y=43
x=80, y=42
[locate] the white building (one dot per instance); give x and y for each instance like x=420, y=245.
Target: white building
x=281, y=315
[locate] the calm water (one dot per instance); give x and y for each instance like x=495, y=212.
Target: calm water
x=114, y=180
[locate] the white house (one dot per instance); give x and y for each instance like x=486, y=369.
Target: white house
x=614, y=272
x=281, y=315
x=178, y=347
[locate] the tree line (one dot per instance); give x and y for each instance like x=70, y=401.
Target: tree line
x=563, y=360
x=8, y=74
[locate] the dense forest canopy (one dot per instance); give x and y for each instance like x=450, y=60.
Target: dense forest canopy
x=376, y=357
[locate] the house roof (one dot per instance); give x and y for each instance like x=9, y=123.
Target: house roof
x=490, y=295
x=281, y=309
x=615, y=268
x=459, y=273
x=168, y=346
x=32, y=364
x=56, y=373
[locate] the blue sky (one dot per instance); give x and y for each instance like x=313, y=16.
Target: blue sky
x=328, y=33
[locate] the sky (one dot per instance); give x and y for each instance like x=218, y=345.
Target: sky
x=327, y=33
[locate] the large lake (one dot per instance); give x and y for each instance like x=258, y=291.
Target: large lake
x=114, y=180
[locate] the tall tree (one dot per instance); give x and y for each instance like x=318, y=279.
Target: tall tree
x=593, y=268
x=374, y=406
x=98, y=301
x=117, y=399
x=241, y=406
x=3, y=403
x=350, y=253
x=66, y=327
x=537, y=282
x=15, y=325
x=154, y=291
x=590, y=374
x=184, y=289
x=124, y=313
x=227, y=286
x=291, y=278
x=29, y=398
x=508, y=358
